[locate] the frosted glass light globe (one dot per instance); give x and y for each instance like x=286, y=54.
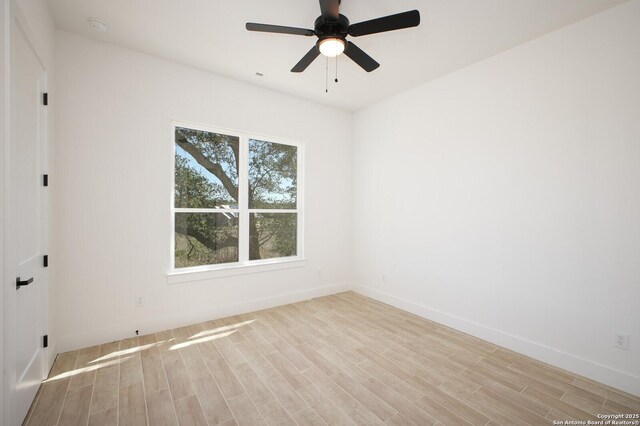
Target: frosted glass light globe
x=331, y=47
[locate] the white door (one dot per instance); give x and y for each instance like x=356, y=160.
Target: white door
x=27, y=206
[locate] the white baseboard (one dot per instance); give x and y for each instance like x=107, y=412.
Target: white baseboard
x=153, y=325
x=51, y=356
x=570, y=362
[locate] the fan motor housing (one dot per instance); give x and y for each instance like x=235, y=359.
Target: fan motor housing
x=326, y=28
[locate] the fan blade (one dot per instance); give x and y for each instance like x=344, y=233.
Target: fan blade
x=330, y=8
x=268, y=28
x=306, y=60
x=386, y=23
x=358, y=56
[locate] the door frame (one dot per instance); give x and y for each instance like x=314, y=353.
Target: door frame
x=4, y=143
x=11, y=17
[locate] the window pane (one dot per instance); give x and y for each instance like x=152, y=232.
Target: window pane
x=206, y=169
x=272, y=235
x=205, y=239
x=272, y=175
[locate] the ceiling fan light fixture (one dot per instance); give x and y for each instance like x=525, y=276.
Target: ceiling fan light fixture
x=332, y=29
x=331, y=47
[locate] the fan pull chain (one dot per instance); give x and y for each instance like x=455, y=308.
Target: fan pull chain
x=337, y=68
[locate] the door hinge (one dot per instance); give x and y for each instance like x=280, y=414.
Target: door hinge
x=45, y=99
x=45, y=180
x=45, y=341
x=45, y=261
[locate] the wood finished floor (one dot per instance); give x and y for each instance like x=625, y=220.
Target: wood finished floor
x=337, y=360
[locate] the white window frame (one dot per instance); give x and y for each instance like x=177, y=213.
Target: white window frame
x=243, y=265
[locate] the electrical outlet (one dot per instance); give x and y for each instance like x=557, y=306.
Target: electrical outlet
x=138, y=297
x=139, y=301
x=621, y=341
x=319, y=273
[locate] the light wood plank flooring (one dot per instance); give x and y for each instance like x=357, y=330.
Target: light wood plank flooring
x=336, y=360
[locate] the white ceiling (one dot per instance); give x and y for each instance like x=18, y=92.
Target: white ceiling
x=210, y=34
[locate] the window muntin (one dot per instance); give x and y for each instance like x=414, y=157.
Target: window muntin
x=236, y=199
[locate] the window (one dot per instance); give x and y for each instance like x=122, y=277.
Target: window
x=236, y=199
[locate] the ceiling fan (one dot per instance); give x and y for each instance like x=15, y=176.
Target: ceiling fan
x=332, y=29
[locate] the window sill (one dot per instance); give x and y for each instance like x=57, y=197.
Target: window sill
x=189, y=275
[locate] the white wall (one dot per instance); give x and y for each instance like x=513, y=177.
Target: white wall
x=503, y=199
x=112, y=186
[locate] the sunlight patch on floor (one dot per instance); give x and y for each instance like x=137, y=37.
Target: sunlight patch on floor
x=127, y=351
x=86, y=369
x=201, y=340
x=219, y=329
